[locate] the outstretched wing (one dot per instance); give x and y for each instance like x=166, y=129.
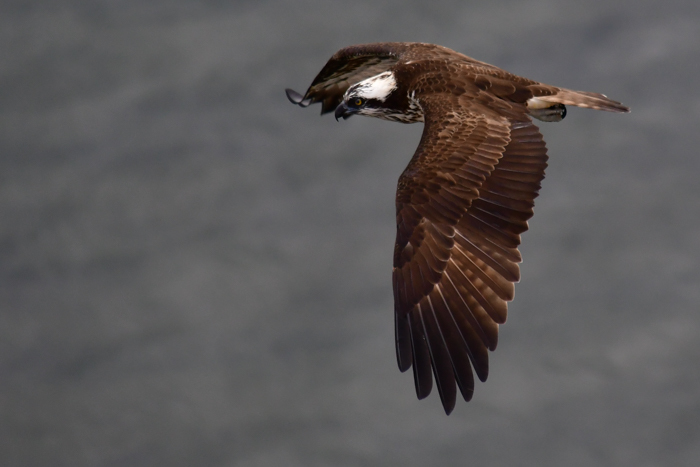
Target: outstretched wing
x=462, y=203
x=356, y=63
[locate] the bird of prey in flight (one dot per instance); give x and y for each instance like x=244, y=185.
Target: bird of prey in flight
x=464, y=198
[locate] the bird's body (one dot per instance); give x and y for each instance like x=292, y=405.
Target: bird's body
x=463, y=200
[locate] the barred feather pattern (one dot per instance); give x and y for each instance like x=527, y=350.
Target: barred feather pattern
x=462, y=202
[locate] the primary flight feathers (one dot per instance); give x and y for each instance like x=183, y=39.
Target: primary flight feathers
x=464, y=198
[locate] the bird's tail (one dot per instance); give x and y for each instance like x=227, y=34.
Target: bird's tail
x=589, y=100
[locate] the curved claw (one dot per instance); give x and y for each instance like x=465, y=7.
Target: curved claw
x=554, y=113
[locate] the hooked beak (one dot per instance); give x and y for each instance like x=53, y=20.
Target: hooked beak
x=344, y=111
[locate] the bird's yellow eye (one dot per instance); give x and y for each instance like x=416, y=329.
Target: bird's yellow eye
x=358, y=101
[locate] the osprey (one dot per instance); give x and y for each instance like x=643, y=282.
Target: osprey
x=464, y=198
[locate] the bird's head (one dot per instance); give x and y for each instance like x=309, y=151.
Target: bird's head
x=368, y=97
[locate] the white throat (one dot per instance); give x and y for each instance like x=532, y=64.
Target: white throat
x=377, y=87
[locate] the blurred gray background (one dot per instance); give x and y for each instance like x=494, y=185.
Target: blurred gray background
x=195, y=272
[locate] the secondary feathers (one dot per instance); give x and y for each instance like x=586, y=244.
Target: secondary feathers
x=464, y=198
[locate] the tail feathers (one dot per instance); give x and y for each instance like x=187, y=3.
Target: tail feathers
x=589, y=100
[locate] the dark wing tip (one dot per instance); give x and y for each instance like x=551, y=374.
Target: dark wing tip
x=448, y=408
x=296, y=98
x=482, y=369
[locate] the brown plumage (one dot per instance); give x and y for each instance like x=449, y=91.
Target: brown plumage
x=463, y=200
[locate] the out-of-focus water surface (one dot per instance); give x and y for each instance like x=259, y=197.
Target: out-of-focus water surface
x=195, y=272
